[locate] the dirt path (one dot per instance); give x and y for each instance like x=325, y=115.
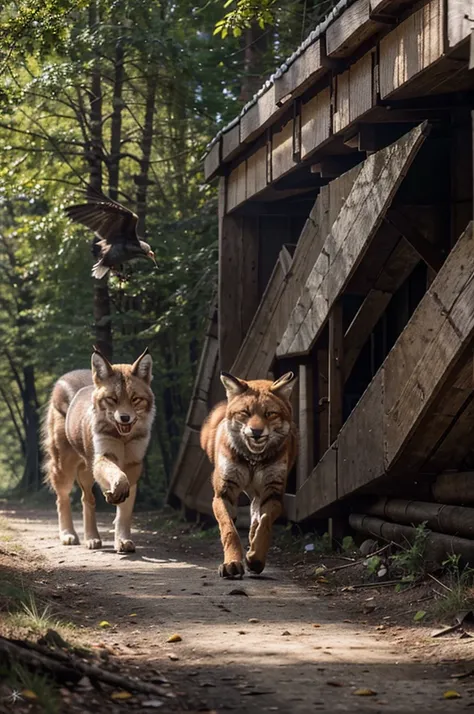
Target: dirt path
x=277, y=648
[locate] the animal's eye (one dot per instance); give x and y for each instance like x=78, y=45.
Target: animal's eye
x=244, y=414
x=111, y=401
x=137, y=400
x=271, y=414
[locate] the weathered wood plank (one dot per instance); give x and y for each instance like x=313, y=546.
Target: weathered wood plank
x=257, y=172
x=341, y=116
x=230, y=142
x=397, y=269
x=212, y=161
x=459, y=24
x=449, y=323
x=412, y=47
x=237, y=186
x=305, y=424
x=282, y=150
x=263, y=113
x=350, y=30
x=429, y=253
x=305, y=70
x=349, y=238
x=336, y=370
x=323, y=401
x=360, y=453
x=320, y=489
x=361, y=87
x=315, y=122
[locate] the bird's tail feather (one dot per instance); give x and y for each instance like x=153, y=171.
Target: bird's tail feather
x=99, y=271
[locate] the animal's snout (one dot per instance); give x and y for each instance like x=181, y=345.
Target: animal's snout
x=125, y=418
x=257, y=433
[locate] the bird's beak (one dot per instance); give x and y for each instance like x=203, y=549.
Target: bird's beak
x=151, y=255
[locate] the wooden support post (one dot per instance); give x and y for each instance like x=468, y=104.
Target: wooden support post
x=323, y=401
x=306, y=442
x=336, y=370
x=238, y=279
x=429, y=253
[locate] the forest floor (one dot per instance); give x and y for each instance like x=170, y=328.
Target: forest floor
x=277, y=642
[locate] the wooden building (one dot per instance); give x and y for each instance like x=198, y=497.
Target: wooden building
x=346, y=254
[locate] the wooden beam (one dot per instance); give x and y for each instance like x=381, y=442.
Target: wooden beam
x=397, y=269
x=212, y=161
x=238, y=280
x=305, y=70
x=323, y=401
x=428, y=252
x=348, y=240
x=305, y=424
x=350, y=30
x=333, y=166
x=336, y=371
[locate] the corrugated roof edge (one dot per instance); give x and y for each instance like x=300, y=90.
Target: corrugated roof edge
x=312, y=37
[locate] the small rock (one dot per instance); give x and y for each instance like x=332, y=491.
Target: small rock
x=85, y=683
x=368, y=546
x=254, y=620
x=238, y=591
x=286, y=634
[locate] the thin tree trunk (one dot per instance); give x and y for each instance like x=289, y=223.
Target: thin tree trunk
x=143, y=179
x=116, y=122
x=102, y=308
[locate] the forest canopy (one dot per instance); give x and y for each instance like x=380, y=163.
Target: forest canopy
x=122, y=95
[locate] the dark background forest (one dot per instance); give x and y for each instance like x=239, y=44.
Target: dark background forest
x=122, y=95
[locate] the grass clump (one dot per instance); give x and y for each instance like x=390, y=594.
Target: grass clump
x=457, y=595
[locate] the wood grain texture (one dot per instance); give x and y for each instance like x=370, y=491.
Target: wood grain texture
x=306, y=69
x=257, y=172
x=230, y=142
x=350, y=235
x=282, y=150
x=320, y=489
x=315, y=122
x=350, y=30
x=305, y=424
x=412, y=47
x=212, y=161
x=459, y=24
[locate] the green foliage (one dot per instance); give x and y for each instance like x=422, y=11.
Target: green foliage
x=243, y=15
x=373, y=564
x=410, y=561
x=457, y=595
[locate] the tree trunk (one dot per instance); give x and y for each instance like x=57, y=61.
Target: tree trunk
x=102, y=309
x=142, y=180
x=255, y=41
x=31, y=477
x=116, y=126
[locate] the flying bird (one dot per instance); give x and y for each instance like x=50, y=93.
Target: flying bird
x=116, y=240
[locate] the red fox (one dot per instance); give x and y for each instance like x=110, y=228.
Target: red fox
x=251, y=440
x=97, y=427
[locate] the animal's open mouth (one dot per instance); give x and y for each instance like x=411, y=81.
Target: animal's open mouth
x=124, y=429
x=257, y=444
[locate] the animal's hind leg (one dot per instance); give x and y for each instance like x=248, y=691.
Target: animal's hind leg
x=92, y=538
x=62, y=473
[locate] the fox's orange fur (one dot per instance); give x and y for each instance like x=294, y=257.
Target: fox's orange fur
x=98, y=427
x=251, y=440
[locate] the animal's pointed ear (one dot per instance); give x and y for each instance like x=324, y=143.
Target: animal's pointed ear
x=142, y=367
x=101, y=367
x=284, y=385
x=233, y=386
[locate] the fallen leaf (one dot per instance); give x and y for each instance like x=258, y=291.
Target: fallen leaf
x=322, y=579
x=121, y=696
x=29, y=694
x=365, y=693
x=316, y=625
x=133, y=614
x=451, y=694
x=104, y=623
x=254, y=620
x=334, y=684
x=175, y=638
x=320, y=570
x=173, y=657
x=419, y=615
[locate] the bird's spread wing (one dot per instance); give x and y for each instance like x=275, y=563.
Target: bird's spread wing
x=109, y=220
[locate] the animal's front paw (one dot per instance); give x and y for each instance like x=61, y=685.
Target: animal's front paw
x=233, y=569
x=119, y=492
x=253, y=563
x=67, y=538
x=124, y=546
x=93, y=543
